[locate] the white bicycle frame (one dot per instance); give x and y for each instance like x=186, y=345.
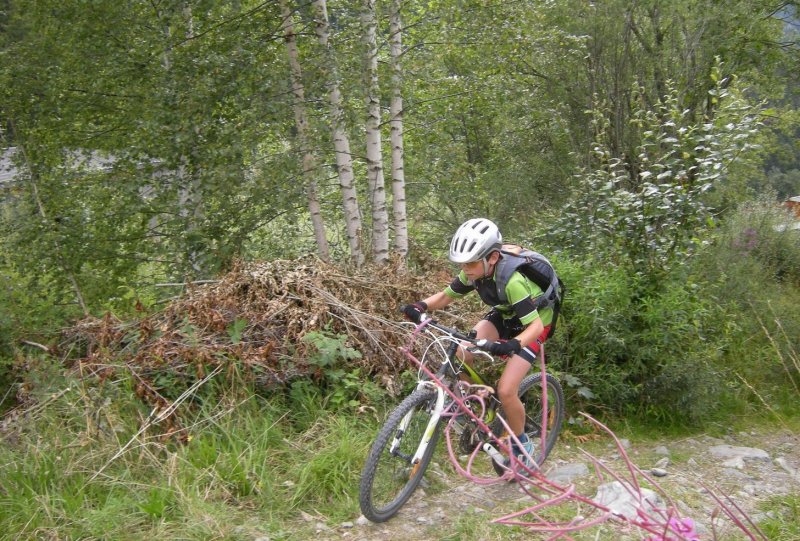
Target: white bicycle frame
x=438, y=408
x=438, y=342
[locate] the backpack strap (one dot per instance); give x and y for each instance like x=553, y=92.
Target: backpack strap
x=534, y=266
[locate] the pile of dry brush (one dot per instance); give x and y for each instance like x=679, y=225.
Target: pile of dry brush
x=253, y=320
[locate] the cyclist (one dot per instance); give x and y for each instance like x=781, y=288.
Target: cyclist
x=514, y=328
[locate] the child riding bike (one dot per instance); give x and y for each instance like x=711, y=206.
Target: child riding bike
x=522, y=316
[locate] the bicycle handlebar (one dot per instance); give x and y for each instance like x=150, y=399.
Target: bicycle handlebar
x=455, y=333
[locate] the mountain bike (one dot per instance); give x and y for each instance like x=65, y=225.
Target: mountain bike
x=405, y=444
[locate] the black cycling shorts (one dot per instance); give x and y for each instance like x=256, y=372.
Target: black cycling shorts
x=508, y=328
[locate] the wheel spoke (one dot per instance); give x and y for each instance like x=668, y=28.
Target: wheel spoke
x=389, y=477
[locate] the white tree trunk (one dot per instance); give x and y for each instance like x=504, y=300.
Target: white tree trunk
x=59, y=251
x=190, y=189
x=301, y=120
x=341, y=143
x=375, y=180
x=396, y=123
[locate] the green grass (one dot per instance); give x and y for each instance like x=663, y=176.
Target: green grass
x=247, y=469
x=250, y=466
x=783, y=523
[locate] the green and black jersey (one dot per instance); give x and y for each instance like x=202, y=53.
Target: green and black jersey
x=520, y=292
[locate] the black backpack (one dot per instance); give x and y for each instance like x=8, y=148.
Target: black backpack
x=536, y=268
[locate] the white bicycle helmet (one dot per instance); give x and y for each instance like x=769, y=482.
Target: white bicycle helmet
x=475, y=240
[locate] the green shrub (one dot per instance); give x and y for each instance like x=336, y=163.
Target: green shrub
x=758, y=236
x=638, y=350
x=344, y=386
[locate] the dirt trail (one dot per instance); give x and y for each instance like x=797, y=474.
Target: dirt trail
x=750, y=467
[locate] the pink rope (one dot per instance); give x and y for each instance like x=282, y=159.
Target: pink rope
x=659, y=524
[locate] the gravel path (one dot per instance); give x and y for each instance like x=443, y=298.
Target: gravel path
x=750, y=467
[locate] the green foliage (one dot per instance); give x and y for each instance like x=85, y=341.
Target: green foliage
x=157, y=502
x=235, y=330
x=70, y=473
x=752, y=268
x=722, y=324
x=647, y=210
x=335, y=451
x=636, y=350
x=345, y=386
x=762, y=232
x=329, y=349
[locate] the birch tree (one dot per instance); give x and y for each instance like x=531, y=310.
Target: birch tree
x=309, y=164
x=341, y=143
x=48, y=226
x=190, y=191
x=396, y=133
x=375, y=179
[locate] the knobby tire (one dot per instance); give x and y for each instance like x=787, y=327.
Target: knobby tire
x=387, y=481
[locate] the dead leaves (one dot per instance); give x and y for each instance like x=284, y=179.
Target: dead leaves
x=253, y=320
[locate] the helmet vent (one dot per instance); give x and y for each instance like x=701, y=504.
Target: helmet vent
x=474, y=240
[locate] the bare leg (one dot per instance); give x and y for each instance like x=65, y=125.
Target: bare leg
x=484, y=329
x=507, y=389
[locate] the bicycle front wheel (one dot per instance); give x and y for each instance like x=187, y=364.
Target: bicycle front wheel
x=390, y=476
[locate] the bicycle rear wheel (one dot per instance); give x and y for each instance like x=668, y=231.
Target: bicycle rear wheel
x=389, y=477
x=530, y=392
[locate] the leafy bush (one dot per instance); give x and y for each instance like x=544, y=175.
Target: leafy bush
x=644, y=208
x=337, y=383
x=761, y=232
x=638, y=351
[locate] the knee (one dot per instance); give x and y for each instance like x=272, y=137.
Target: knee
x=506, y=391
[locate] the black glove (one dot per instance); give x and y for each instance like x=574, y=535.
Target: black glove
x=502, y=348
x=413, y=312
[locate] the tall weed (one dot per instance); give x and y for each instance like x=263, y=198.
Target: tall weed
x=753, y=269
x=78, y=465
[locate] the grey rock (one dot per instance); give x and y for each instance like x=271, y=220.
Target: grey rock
x=565, y=474
x=734, y=462
x=617, y=497
x=730, y=452
x=736, y=474
x=346, y=525
x=783, y=463
x=362, y=521
x=659, y=472
x=663, y=463
x=661, y=450
x=752, y=490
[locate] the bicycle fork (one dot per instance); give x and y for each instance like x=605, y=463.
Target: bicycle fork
x=436, y=414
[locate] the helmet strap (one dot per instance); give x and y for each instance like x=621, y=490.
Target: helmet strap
x=485, y=261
